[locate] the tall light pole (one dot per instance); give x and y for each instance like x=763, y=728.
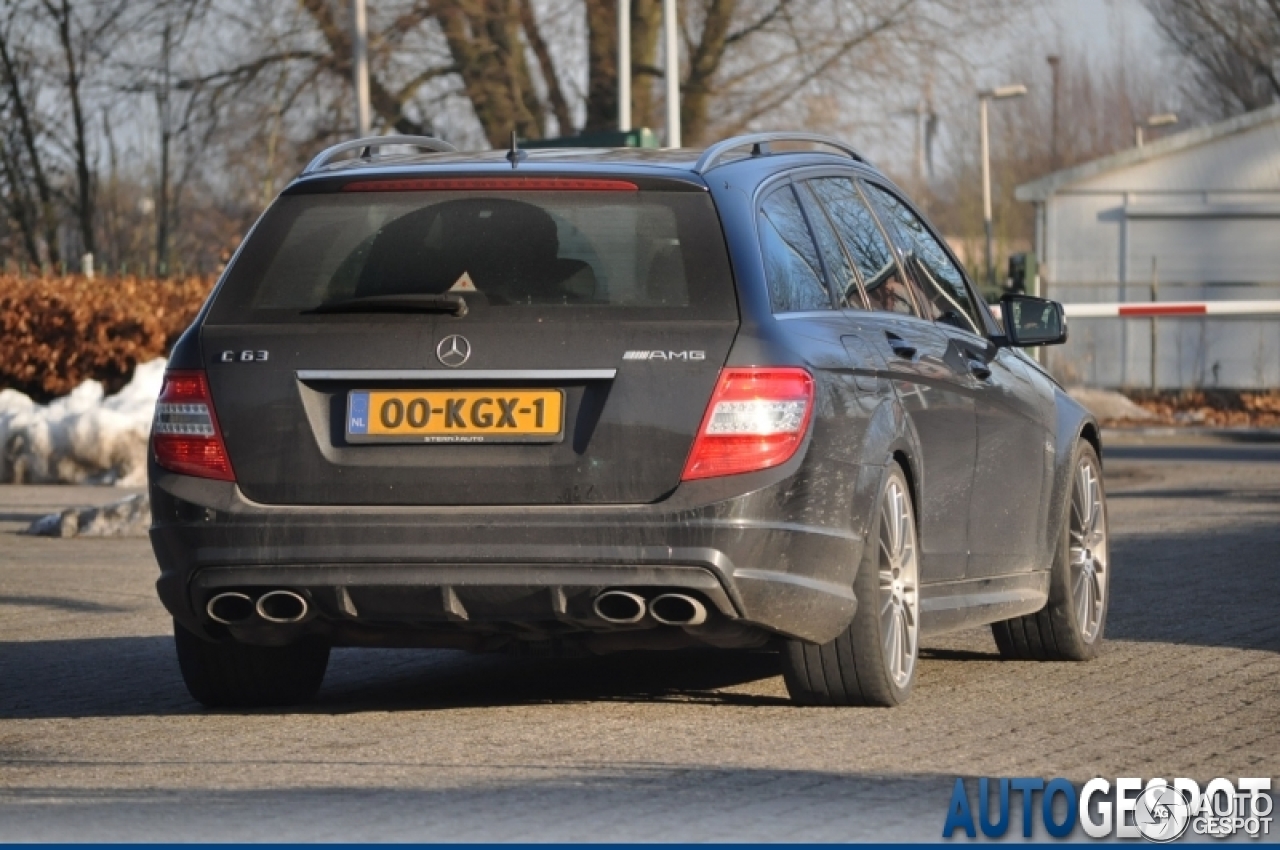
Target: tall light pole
x=672, y=72
x=998, y=93
x=624, y=65
x=360, y=65
x=1164, y=119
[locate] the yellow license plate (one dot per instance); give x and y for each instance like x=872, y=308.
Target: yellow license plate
x=455, y=416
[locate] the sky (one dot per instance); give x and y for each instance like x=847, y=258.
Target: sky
x=1097, y=26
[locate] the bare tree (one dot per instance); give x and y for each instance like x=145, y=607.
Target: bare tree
x=186, y=87
x=1232, y=45
x=187, y=110
x=747, y=58
x=60, y=12
x=80, y=32
x=602, y=62
x=32, y=195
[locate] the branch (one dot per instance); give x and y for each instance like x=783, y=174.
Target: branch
x=386, y=104
x=409, y=89
x=840, y=52
x=751, y=29
x=247, y=69
x=554, y=93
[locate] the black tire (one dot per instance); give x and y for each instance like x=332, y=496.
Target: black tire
x=1055, y=632
x=237, y=675
x=853, y=669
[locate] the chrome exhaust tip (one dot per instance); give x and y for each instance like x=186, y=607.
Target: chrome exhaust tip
x=677, y=609
x=619, y=606
x=229, y=608
x=282, y=606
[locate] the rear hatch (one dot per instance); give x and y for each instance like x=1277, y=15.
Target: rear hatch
x=471, y=341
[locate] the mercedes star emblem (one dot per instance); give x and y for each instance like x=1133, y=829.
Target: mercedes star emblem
x=453, y=351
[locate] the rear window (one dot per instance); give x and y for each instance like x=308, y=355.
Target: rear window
x=541, y=250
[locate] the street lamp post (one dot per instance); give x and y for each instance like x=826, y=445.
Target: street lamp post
x=1164, y=119
x=624, y=65
x=672, y=71
x=998, y=93
x=360, y=65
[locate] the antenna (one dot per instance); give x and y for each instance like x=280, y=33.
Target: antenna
x=515, y=155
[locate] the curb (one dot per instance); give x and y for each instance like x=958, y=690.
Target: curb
x=1167, y=433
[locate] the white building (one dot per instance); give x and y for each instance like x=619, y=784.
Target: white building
x=1199, y=213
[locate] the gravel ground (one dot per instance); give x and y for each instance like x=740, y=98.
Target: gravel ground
x=99, y=741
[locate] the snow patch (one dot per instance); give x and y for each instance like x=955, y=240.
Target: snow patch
x=129, y=517
x=82, y=437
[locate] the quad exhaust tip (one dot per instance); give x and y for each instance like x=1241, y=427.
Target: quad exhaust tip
x=677, y=609
x=282, y=606
x=620, y=606
x=230, y=608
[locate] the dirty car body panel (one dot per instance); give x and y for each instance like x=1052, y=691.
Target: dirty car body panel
x=498, y=544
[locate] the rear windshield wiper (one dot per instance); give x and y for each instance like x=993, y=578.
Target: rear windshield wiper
x=455, y=304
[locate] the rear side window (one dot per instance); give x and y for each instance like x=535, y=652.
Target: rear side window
x=644, y=250
x=791, y=263
x=833, y=253
x=945, y=294
x=881, y=276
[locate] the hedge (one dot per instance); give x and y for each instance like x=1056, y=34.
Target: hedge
x=56, y=332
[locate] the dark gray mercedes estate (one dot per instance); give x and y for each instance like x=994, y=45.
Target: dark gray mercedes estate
x=589, y=400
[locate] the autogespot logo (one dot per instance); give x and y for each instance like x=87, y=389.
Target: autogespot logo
x=1162, y=812
x=1158, y=811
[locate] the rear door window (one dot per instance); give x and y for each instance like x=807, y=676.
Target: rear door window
x=942, y=283
x=791, y=263
x=887, y=290
x=637, y=250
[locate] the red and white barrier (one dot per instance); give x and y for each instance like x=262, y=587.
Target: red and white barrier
x=1156, y=309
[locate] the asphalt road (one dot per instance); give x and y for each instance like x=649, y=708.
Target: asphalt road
x=98, y=739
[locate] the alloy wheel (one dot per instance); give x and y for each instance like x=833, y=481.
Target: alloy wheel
x=1089, y=559
x=899, y=584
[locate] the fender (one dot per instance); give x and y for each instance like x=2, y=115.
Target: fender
x=889, y=435
x=1071, y=420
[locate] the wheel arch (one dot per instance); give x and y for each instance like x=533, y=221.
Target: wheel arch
x=1092, y=434
x=1074, y=425
x=903, y=459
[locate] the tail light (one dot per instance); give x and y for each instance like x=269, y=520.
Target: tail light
x=757, y=419
x=185, y=431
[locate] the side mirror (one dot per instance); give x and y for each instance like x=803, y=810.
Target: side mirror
x=1032, y=321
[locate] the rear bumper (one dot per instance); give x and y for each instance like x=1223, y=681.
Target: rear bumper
x=777, y=557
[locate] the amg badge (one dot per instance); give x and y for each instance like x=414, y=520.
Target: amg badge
x=665, y=355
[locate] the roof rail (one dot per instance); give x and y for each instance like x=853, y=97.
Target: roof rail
x=760, y=145
x=327, y=155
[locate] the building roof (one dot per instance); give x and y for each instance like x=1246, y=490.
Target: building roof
x=1041, y=189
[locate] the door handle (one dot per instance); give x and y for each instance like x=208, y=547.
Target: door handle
x=900, y=346
x=903, y=350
